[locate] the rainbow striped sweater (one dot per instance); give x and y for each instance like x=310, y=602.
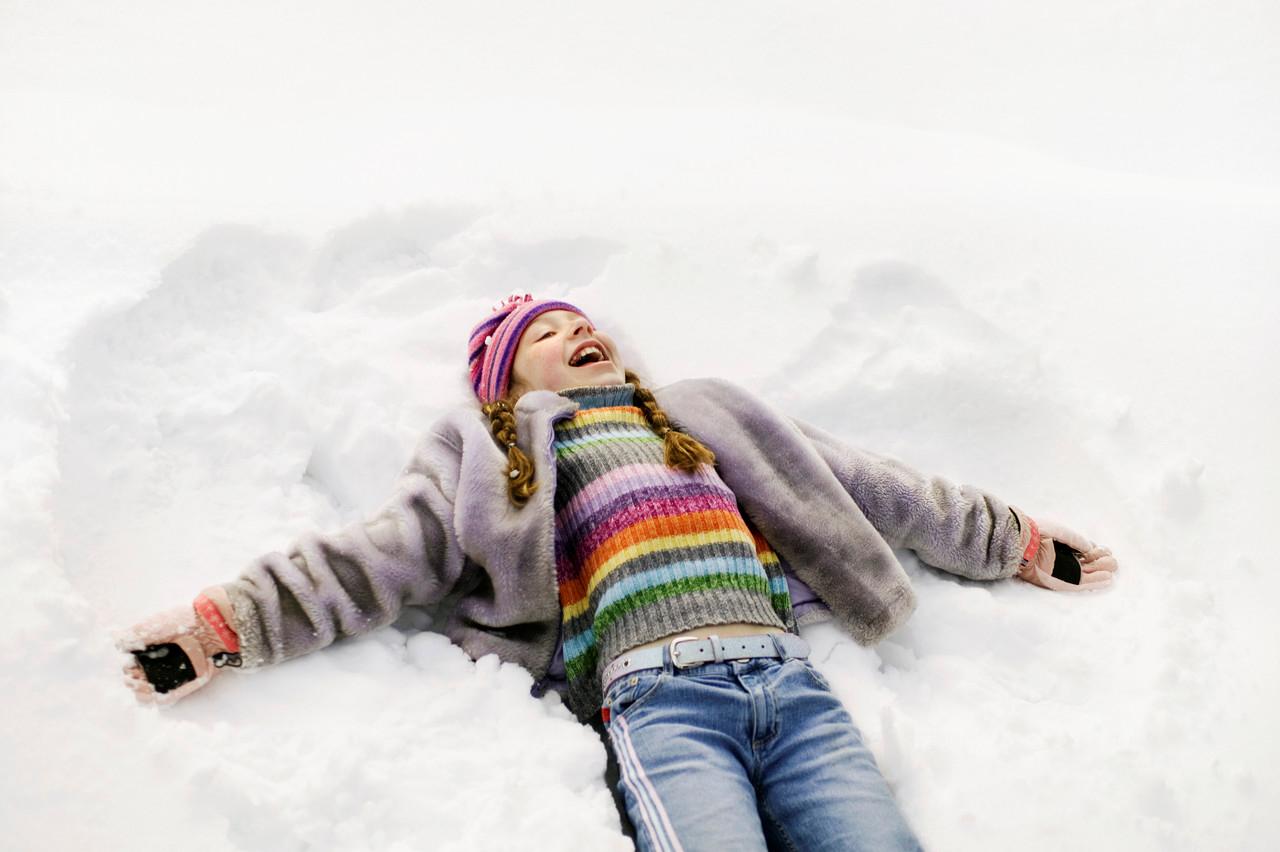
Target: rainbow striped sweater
x=642, y=550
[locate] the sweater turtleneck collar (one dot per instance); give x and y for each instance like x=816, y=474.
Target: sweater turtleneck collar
x=601, y=396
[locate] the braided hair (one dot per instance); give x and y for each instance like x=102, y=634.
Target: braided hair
x=680, y=450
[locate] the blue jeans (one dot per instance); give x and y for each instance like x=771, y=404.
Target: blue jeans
x=747, y=755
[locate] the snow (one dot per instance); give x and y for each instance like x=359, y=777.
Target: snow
x=1032, y=249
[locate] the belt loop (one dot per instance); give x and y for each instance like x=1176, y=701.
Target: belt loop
x=783, y=653
x=667, y=667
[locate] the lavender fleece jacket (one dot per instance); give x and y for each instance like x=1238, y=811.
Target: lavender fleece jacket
x=450, y=539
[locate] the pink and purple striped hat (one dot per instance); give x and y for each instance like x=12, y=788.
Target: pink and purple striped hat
x=491, y=349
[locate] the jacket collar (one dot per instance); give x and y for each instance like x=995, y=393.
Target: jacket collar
x=536, y=411
x=539, y=401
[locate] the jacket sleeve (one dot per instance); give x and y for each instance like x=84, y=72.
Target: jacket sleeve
x=958, y=528
x=345, y=583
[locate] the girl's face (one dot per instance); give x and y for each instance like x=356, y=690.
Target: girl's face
x=549, y=348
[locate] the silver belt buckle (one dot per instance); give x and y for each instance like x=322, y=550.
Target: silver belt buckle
x=675, y=655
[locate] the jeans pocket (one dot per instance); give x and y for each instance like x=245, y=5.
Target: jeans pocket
x=630, y=691
x=815, y=675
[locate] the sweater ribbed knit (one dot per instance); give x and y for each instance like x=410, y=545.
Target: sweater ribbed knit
x=642, y=550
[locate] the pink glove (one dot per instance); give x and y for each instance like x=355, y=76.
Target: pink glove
x=200, y=630
x=1061, y=560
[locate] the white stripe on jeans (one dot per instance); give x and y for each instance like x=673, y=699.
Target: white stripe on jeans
x=644, y=804
x=661, y=828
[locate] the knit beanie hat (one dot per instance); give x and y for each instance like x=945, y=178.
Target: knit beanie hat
x=492, y=346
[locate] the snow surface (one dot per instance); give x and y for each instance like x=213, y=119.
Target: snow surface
x=1027, y=246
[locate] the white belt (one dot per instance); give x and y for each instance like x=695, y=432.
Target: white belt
x=687, y=651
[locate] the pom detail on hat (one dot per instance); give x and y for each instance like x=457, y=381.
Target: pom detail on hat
x=516, y=297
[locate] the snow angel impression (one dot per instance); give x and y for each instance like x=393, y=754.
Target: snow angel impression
x=650, y=554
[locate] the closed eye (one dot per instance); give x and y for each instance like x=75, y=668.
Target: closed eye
x=551, y=332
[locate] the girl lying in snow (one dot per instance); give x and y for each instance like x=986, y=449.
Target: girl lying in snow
x=650, y=554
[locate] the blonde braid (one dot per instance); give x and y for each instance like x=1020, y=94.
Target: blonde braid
x=502, y=423
x=681, y=451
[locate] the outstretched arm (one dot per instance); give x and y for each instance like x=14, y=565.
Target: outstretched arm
x=343, y=584
x=959, y=528
x=325, y=587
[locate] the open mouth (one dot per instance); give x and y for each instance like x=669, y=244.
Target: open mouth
x=588, y=355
